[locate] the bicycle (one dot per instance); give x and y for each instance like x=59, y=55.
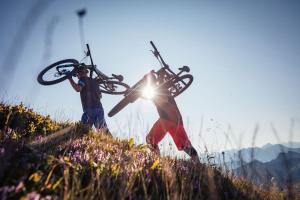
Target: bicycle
x=176, y=83
x=59, y=71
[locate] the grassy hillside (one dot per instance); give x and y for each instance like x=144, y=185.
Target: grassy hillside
x=67, y=161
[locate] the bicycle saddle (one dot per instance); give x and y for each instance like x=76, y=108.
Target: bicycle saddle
x=184, y=68
x=119, y=77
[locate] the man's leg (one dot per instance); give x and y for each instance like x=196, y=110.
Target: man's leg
x=155, y=135
x=181, y=140
x=99, y=121
x=85, y=119
x=191, y=151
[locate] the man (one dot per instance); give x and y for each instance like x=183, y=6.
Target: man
x=90, y=95
x=170, y=120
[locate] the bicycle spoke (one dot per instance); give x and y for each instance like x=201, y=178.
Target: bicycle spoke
x=49, y=76
x=183, y=82
x=52, y=74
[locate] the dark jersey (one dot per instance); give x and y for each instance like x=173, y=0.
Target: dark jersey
x=167, y=107
x=89, y=94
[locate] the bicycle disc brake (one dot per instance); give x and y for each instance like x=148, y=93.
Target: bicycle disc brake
x=60, y=73
x=175, y=88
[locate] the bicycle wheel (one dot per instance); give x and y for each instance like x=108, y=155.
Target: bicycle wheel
x=130, y=98
x=180, y=84
x=113, y=87
x=56, y=72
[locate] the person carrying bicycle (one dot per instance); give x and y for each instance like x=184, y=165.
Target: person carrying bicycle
x=93, y=113
x=170, y=119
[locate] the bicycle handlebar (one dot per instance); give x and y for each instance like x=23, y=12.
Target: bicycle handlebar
x=89, y=54
x=157, y=54
x=154, y=47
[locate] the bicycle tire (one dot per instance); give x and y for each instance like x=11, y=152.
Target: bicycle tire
x=41, y=78
x=107, y=90
x=179, y=80
x=130, y=98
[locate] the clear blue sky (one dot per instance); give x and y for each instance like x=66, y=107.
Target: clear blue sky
x=244, y=56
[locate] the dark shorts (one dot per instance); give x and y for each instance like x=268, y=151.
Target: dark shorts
x=94, y=117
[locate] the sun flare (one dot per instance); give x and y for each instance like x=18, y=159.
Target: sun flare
x=148, y=92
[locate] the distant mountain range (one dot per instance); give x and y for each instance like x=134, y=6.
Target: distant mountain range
x=269, y=165
x=282, y=171
x=287, y=144
x=234, y=158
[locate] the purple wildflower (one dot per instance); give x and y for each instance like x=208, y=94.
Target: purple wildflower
x=33, y=196
x=2, y=151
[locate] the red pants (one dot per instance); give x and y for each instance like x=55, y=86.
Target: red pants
x=160, y=129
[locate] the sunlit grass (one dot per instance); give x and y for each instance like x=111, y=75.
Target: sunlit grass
x=79, y=163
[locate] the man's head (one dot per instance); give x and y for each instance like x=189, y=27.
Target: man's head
x=82, y=72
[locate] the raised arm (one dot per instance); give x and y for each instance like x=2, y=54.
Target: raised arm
x=76, y=86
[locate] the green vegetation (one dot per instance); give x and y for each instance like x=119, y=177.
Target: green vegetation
x=21, y=122
x=78, y=163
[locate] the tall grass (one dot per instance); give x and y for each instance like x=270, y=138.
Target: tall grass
x=79, y=163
